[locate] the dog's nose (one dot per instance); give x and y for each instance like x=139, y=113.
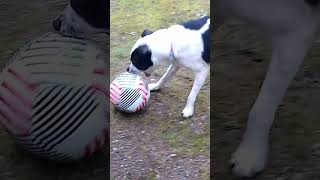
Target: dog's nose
x=57, y=24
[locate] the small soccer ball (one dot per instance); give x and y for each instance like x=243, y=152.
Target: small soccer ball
x=53, y=98
x=129, y=92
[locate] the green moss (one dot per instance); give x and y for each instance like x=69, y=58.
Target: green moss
x=152, y=175
x=202, y=100
x=185, y=141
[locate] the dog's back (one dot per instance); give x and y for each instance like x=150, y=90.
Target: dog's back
x=203, y=26
x=199, y=24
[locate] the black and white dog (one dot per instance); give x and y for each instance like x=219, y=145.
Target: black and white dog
x=82, y=18
x=186, y=44
x=290, y=25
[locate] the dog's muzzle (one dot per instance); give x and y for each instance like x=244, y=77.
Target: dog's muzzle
x=134, y=70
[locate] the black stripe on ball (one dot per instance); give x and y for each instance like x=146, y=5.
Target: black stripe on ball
x=76, y=127
x=50, y=110
x=62, y=117
x=128, y=97
x=65, y=126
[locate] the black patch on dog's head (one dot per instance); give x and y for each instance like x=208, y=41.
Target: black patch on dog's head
x=195, y=24
x=94, y=12
x=312, y=2
x=141, y=58
x=146, y=32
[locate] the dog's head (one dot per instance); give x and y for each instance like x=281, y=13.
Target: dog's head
x=82, y=18
x=142, y=57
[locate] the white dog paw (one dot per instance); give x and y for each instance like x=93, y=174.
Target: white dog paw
x=249, y=159
x=187, y=112
x=153, y=86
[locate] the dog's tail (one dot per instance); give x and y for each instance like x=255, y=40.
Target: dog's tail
x=205, y=27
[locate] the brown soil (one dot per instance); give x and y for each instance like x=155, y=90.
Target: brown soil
x=240, y=63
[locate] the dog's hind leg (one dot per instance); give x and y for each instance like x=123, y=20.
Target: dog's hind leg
x=200, y=77
x=288, y=53
x=172, y=69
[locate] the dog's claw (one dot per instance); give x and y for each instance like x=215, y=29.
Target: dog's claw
x=187, y=112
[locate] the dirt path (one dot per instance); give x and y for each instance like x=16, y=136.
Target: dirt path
x=157, y=143
x=241, y=60
x=21, y=21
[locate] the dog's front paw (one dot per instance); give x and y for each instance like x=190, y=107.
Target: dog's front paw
x=187, y=112
x=153, y=86
x=249, y=159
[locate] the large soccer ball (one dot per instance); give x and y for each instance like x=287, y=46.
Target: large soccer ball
x=53, y=98
x=129, y=92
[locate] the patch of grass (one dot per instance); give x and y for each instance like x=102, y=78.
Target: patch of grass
x=185, y=141
x=152, y=175
x=205, y=172
x=134, y=15
x=121, y=52
x=202, y=100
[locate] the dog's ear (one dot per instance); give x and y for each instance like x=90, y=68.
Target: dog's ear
x=146, y=32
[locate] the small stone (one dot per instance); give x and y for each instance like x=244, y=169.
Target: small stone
x=173, y=155
x=133, y=33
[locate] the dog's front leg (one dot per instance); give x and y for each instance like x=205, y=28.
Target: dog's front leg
x=288, y=54
x=200, y=77
x=172, y=69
